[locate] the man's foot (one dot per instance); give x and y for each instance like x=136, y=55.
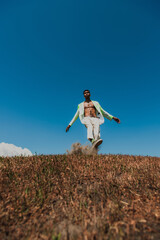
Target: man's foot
x=92, y=140
x=96, y=143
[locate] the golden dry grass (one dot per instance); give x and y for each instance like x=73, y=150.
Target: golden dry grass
x=80, y=196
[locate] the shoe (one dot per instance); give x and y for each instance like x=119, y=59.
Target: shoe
x=97, y=143
x=93, y=140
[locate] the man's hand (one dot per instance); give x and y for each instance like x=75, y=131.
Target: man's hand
x=68, y=127
x=116, y=119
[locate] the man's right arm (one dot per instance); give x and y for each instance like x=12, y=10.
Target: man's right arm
x=73, y=120
x=67, y=128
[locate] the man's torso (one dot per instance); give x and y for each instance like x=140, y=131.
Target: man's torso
x=89, y=109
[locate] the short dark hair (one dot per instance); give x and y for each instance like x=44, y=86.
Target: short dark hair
x=86, y=91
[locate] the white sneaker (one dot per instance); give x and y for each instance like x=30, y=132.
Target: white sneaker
x=97, y=143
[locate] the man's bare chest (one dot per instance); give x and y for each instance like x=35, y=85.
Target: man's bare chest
x=89, y=105
x=89, y=109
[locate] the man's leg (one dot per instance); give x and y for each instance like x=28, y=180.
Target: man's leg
x=89, y=127
x=96, y=128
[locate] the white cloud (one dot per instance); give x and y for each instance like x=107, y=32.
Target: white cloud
x=10, y=150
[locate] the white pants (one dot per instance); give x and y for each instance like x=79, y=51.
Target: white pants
x=93, y=129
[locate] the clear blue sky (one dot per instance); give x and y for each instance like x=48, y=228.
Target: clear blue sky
x=50, y=51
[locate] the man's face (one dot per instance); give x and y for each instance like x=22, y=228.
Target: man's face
x=87, y=94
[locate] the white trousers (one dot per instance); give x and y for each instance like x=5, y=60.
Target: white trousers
x=93, y=129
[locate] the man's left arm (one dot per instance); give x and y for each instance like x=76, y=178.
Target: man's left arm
x=109, y=116
x=116, y=119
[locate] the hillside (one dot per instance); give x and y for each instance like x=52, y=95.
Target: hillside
x=80, y=197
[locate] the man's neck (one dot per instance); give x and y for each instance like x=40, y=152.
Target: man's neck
x=87, y=100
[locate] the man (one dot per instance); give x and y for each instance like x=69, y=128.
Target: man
x=92, y=115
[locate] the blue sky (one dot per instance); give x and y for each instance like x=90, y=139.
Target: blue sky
x=50, y=51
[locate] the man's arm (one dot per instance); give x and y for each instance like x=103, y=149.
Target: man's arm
x=116, y=119
x=73, y=120
x=109, y=116
x=106, y=114
x=67, y=128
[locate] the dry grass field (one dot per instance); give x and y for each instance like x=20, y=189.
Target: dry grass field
x=78, y=196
